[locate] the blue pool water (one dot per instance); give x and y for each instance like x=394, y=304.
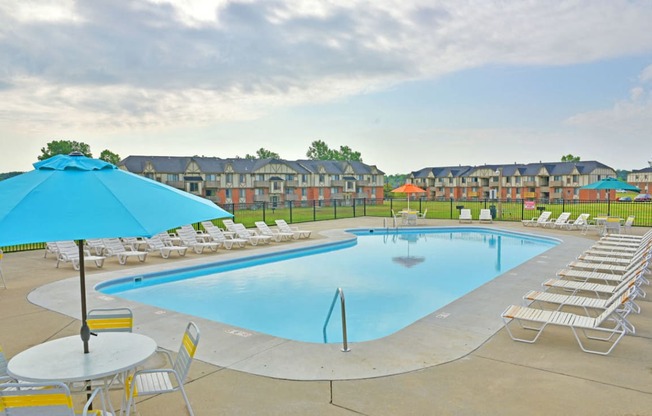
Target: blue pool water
x=390, y=280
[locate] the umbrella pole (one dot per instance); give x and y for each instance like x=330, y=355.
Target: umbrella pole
x=85, y=331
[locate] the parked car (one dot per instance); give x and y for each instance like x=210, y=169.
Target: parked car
x=625, y=199
x=643, y=198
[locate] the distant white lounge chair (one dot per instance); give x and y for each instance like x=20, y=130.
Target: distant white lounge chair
x=276, y=235
x=227, y=240
x=114, y=247
x=251, y=236
x=537, y=221
x=561, y=221
x=68, y=252
x=485, y=216
x=155, y=243
x=286, y=228
x=465, y=215
x=189, y=238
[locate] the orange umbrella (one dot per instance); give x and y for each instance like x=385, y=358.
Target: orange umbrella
x=408, y=189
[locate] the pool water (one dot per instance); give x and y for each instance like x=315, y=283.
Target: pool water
x=390, y=280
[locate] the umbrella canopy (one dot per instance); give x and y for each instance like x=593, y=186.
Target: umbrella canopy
x=408, y=189
x=611, y=183
x=72, y=197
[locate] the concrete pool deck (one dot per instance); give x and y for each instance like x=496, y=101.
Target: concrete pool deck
x=457, y=360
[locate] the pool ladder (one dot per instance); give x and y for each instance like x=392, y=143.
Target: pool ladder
x=338, y=293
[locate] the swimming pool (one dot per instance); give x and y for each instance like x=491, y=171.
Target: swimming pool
x=391, y=279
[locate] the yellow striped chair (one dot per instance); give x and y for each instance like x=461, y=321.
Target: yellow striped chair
x=166, y=380
x=38, y=399
x=110, y=320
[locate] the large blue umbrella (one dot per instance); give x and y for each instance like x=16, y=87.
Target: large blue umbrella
x=72, y=197
x=611, y=183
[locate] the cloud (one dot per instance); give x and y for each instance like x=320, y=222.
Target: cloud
x=108, y=64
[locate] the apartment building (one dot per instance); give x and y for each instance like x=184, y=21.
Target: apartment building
x=273, y=181
x=642, y=179
x=541, y=181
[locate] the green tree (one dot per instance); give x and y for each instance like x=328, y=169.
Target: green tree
x=263, y=153
x=64, y=147
x=319, y=150
x=109, y=156
x=570, y=158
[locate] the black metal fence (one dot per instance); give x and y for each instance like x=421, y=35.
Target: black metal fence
x=502, y=210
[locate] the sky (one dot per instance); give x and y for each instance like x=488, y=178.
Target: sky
x=409, y=84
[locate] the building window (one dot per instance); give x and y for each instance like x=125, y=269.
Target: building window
x=304, y=178
x=304, y=192
x=193, y=187
x=229, y=178
x=211, y=177
x=243, y=178
x=321, y=178
x=228, y=193
x=289, y=177
x=174, y=177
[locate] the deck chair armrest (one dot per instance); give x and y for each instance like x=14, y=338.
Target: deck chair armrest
x=167, y=354
x=89, y=402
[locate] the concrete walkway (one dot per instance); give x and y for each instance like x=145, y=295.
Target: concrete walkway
x=463, y=364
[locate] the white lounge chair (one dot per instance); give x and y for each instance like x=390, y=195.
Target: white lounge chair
x=95, y=245
x=612, y=335
x=114, y=247
x=189, y=238
x=68, y=252
x=561, y=221
x=465, y=215
x=276, y=235
x=155, y=243
x=588, y=303
x=227, y=240
x=606, y=278
x=485, y=216
x=286, y=228
x=51, y=247
x=251, y=237
x=629, y=222
x=538, y=221
x=599, y=290
x=581, y=221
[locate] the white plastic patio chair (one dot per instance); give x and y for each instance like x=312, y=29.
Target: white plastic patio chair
x=227, y=240
x=485, y=216
x=165, y=380
x=465, y=215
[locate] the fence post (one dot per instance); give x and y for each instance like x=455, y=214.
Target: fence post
x=353, y=207
x=451, y=209
x=334, y=202
x=291, y=205
x=364, y=207
x=264, y=204
x=314, y=210
x=522, y=209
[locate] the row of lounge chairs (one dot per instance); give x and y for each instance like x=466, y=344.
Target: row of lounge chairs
x=582, y=222
x=607, y=278
x=185, y=238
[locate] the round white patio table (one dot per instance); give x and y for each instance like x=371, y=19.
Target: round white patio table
x=63, y=359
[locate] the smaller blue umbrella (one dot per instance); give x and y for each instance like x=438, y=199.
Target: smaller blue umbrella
x=72, y=197
x=611, y=183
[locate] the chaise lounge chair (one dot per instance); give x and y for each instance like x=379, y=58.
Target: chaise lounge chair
x=276, y=235
x=227, y=240
x=525, y=316
x=538, y=221
x=465, y=215
x=580, y=222
x=189, y=238
x=485, y=216
x=156, y=243
x=252, y=237
x=114, y=247
x=286, y=228
x=561, y=221
x=68, y=252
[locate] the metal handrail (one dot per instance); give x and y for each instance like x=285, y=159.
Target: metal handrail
x=338, y=293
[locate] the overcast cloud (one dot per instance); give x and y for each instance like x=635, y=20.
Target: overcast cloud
x=114, y=73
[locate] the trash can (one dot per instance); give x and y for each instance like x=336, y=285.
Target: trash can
x=492, y=210
x=459, y=207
